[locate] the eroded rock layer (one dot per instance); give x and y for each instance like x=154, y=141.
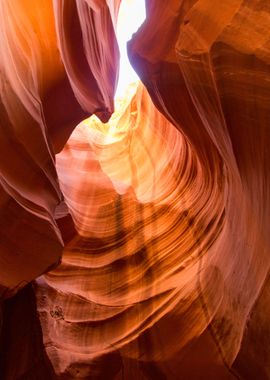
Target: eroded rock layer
x=137, y=259
x=164, y=272
x=55, y=71
x=217, y=69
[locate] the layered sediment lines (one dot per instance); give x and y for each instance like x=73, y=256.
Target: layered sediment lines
x=49, y=83
x=142, y=237
x=165, y=271
x=217, y=69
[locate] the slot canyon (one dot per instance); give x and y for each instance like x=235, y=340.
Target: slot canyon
x=135, y=216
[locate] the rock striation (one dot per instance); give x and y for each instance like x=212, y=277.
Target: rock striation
x=49, y=83
x=159, y=214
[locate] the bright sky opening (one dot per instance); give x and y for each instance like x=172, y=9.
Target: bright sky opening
x=131, y=16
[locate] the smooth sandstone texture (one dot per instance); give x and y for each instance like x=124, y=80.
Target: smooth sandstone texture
x=217, y=70
x=165, y=272
x=130, y=282
x=54, y=71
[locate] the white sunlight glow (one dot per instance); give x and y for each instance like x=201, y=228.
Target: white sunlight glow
x=131, y=16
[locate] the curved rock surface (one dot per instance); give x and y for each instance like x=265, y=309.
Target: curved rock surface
x=55, y=71
x=138, y=256
x=217, y=70
x=164, y=274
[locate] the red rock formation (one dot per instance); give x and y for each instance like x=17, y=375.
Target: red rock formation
x=49, y=83
x=212, y=82
x=165, y=275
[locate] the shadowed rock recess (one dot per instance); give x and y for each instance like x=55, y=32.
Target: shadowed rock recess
x=135, y=244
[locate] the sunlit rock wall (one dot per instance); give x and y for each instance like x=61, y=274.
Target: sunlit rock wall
x=49, y=82
x=164, y=273
x=217, y=70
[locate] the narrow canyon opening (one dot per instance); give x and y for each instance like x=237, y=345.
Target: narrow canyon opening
x=131, y=15
x=135, y=244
